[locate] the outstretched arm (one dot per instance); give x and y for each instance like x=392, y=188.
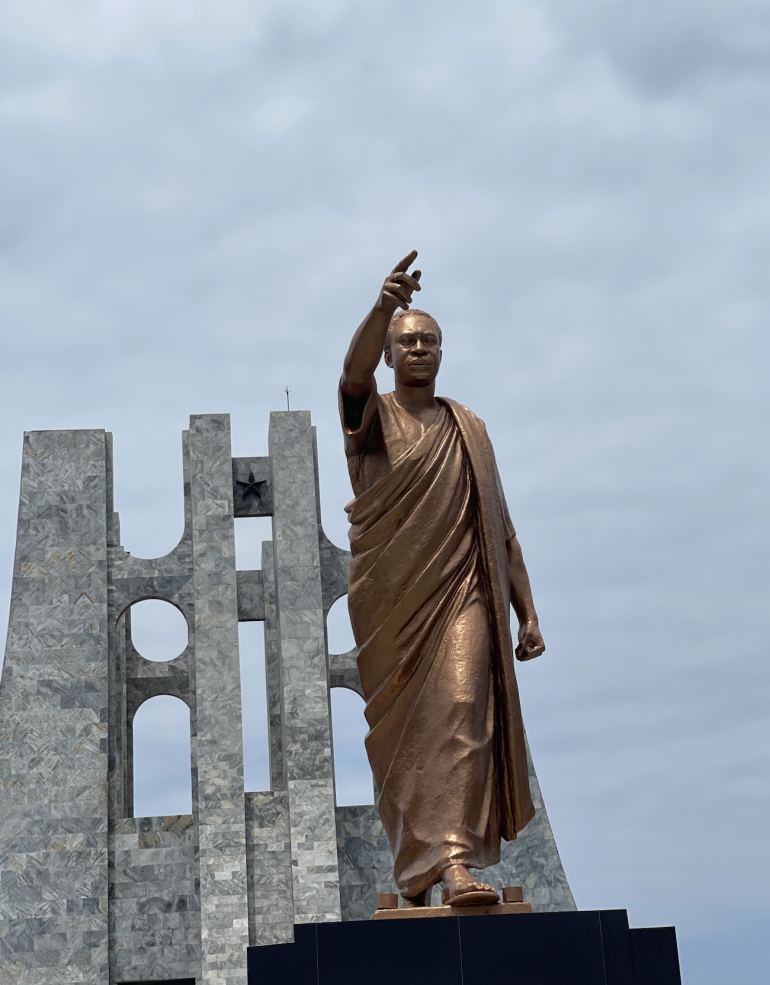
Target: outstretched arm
x=530, y=641
x=366, y=348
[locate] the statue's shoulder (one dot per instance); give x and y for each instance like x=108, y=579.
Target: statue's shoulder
x=388, y=405
x=465, y=414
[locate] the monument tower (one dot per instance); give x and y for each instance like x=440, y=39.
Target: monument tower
x=88, y=892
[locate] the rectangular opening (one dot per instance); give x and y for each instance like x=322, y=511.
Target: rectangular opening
x=250, y=531
x=256, y=745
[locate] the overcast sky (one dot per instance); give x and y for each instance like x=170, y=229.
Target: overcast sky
x=200, y=200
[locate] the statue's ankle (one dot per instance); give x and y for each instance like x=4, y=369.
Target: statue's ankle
x=420, y=899
x=454, y=871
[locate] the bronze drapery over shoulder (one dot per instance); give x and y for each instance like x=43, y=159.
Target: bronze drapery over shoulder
x=429, y=601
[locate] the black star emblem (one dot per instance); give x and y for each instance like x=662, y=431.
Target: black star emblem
x=251, y=487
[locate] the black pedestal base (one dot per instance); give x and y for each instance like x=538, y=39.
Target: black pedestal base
x=582, y=948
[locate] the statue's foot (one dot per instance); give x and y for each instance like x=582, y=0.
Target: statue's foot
x=461, y=889
x=421, y=899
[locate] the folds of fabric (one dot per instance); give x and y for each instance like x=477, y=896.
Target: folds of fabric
x=429, y=604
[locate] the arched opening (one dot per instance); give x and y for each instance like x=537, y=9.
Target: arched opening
x=256, y=745
x=152, y=518
x=353, y=775
x=339, y=632
x=162, y=782
x=158, y=630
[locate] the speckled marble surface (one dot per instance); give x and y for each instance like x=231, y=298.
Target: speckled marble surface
x=268, y=854
x=53, y=719
x=217, y=739
x=154, y=912
x=301, y=637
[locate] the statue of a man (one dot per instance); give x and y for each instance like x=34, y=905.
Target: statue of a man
x=436, y=565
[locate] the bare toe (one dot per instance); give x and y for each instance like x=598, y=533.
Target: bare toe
x=461, y=889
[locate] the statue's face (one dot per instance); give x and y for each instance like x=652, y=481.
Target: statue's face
x=415, y=354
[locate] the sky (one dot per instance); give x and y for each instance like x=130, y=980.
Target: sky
x=199, y=203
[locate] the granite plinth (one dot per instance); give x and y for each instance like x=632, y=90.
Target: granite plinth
x=574, y=948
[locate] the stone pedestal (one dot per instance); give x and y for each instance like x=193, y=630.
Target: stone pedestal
x=588, y=948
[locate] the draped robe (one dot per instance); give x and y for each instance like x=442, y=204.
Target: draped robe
x=429, y=602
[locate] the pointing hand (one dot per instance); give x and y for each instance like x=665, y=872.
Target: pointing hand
x=399, y=285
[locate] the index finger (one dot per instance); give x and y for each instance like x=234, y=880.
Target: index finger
x=403, y=265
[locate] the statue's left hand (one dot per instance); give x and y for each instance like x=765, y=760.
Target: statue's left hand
x=531, y=643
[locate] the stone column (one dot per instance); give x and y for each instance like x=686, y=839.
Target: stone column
x=217, y=733
x=53, y=719
x=272, y=672
x=306, y=719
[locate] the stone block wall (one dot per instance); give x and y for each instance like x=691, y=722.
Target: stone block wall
x=301, y=636
x=53, y=719
x=154, y=912
x=268, y=857
x=366, y=864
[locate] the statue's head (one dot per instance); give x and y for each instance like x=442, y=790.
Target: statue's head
x=413, y=347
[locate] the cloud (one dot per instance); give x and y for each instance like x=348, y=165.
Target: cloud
x=200, y=203
x=664, y=48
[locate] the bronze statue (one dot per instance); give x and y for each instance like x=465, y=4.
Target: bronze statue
x=436, y=564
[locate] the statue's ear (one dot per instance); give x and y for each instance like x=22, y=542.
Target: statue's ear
x=389, y=358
